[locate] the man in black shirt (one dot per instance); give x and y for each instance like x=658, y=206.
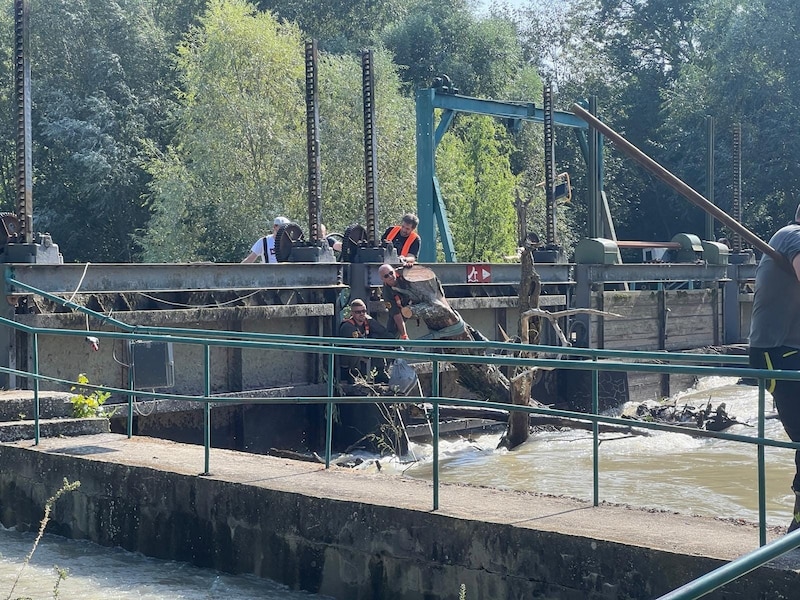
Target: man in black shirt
x=361, y=325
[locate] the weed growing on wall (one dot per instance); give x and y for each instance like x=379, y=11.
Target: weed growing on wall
x=48, y=507
x=87, y=403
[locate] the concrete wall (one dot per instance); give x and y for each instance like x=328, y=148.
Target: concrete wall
x=232, y=369
x=346, y=549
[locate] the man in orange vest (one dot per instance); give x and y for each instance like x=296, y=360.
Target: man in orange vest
x=361, y=325
x=405, y=239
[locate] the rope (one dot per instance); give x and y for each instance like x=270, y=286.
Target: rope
x=217, y=304
x=455, y=329
x=80, y=283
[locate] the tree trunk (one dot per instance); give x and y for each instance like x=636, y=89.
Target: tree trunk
x=428, y=303
x=530, y=287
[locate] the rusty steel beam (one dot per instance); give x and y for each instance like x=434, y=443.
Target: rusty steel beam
x=679, y=186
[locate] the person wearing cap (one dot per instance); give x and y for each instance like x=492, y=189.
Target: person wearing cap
x=395, y=300
x=405, y=239
x=264, y=247
x=775, y=334
x=361, y=325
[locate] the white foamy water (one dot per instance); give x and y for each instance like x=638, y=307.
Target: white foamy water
x=98, y=573
x=667, y=471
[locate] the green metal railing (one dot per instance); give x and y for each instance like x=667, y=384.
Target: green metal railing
x=495, y=353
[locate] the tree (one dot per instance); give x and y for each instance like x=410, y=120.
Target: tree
x=342, y=26
x=342, y=142
x=478, y=188
x=101, y=95
x=236, y=160
x=482, y=57
x=240, y=154
x=745, y=76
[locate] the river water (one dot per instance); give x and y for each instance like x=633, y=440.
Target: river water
x=666, y=471
x=99, y=573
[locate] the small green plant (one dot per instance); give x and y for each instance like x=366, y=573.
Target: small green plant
x=62, y=574
x=86, y=403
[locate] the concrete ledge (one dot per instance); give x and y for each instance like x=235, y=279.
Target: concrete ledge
x=359, y=535
x=25, y=430
x=17, y=405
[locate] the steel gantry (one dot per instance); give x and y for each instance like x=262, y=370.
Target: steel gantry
x=430, y=204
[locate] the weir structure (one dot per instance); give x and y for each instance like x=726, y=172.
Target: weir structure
x=673, y=306
x=696, y=299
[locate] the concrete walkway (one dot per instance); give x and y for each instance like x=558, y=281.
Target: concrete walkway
x=671, y=532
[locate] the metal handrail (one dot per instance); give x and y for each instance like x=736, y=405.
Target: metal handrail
x=733, y=570
x=601, y=360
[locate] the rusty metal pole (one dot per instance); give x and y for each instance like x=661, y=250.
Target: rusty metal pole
x=736, y=205
x=22, y=81
x=370, y=146
x=679, y=186
x=312, y=143
x=549, y=166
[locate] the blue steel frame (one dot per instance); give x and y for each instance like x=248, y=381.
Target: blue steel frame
x=429, y=197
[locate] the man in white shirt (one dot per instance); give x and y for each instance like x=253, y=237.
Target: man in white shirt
x=264, y=247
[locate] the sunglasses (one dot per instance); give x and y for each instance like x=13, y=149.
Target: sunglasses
x=359, y=312
x=387, y=275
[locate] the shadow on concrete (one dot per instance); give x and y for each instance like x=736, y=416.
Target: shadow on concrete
x=83, y=450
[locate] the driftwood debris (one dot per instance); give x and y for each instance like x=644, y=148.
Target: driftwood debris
x=447, y=412
x=706, y=417
x=427, y=302
x=530, y=329
x=281, y=453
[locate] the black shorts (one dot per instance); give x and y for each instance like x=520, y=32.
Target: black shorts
x=785, y=393
x=783, y=358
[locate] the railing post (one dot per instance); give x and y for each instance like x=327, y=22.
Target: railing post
x=36, y=407
x=762, y=484
x=595, y=434
x=435, y=395
x=207, y=410
x=329, y=412
x=130, y=402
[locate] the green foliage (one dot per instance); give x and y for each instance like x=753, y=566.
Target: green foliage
x=339, y=27
x=240, y=156
x=174, y=130
x=744, y=77
x=478, y=188
x=482, y=57
x=87, y=403
x=342, y=133
x=102, y=94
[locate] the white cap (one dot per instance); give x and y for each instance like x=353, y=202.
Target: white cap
x=281, y=221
